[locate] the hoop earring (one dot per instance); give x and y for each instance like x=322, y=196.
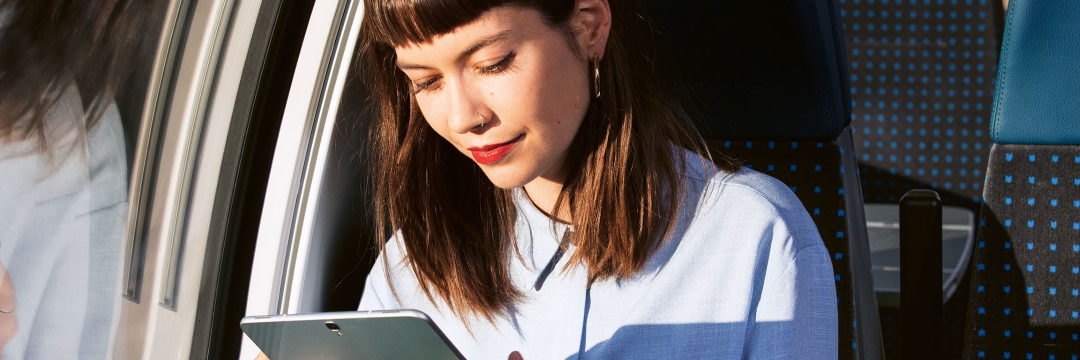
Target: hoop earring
x=596, y=79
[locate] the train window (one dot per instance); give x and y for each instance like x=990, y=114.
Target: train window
x=145, y=98
x=79, y=94
x=313, y=226
x=307, y=233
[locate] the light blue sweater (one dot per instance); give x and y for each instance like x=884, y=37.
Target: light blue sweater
x=62, y=232
x=745, y=276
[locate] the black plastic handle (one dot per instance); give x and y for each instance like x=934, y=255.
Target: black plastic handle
x=920, y=275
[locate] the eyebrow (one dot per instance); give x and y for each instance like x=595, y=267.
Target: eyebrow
x=472, y=49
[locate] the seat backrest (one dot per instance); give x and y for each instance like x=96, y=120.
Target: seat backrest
x=1025, y=293
x=765, y=82
x=922, y=79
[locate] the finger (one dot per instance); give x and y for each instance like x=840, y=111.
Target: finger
x=515, y=356
x=261, y=356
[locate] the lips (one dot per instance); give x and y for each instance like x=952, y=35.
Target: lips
x=490, y=154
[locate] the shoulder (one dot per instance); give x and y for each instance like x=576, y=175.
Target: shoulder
x=392, y=265
x=717, y=191
x=748, y=203
x=389, y=272
x=80, y=162
x=394, y=252
x=107, y=154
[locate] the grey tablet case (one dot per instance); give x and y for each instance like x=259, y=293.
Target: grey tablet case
x=369, y=335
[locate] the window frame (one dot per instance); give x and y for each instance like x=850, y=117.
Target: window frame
x=284, y=239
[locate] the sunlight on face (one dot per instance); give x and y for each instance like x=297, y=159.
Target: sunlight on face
x=506, y=90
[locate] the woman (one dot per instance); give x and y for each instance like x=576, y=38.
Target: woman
x=63, y=172
x=550, y=201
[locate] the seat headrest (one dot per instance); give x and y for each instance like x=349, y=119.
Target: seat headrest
x=1037, y=100
x=763, y=69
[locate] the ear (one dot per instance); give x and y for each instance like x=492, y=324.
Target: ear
x=591, y=22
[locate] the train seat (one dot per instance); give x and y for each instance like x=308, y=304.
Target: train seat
x=765, y=82
x=922, y=77
x=1025, y=291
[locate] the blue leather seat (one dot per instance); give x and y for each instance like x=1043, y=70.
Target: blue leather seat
x=765, y=81
x=1025, y=294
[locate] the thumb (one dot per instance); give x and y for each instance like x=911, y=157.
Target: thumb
x=515, y=356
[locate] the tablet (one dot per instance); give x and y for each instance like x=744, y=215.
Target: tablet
x=392, y=334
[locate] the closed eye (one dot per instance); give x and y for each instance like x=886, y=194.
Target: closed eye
x=426, y=85
x=432, y=83
x=500, y=66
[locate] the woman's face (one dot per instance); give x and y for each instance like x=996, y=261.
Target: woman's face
x=507, y=90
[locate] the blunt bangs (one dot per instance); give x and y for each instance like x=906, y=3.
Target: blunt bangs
x=399, y=22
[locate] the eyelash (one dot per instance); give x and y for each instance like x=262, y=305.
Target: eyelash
x=500, y=66
x=493, y=69
x=424, y=86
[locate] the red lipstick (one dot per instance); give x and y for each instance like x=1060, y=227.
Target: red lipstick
x=490, y=154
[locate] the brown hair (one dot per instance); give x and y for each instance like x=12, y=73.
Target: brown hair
x=47, y=46
x=456, y=227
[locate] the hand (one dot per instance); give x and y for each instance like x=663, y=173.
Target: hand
x=261, y=356
x=515, y=356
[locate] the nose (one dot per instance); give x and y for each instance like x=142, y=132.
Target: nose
x=466, y=113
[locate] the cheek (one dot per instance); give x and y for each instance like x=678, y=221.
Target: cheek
x=550, y=92
x=430, y=107
x=564, y=98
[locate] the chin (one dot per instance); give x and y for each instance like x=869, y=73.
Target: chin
x=506, y=178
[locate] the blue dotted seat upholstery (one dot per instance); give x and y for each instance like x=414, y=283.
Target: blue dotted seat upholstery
x=922, y=79
x=921, y=75
x=765, y=82
x=1025, y=286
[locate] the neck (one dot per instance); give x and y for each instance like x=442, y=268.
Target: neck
x=543, y=193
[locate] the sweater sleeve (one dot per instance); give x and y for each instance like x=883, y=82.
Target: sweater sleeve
x=796, y=316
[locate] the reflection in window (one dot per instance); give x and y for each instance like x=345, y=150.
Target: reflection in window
x=69, y=104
